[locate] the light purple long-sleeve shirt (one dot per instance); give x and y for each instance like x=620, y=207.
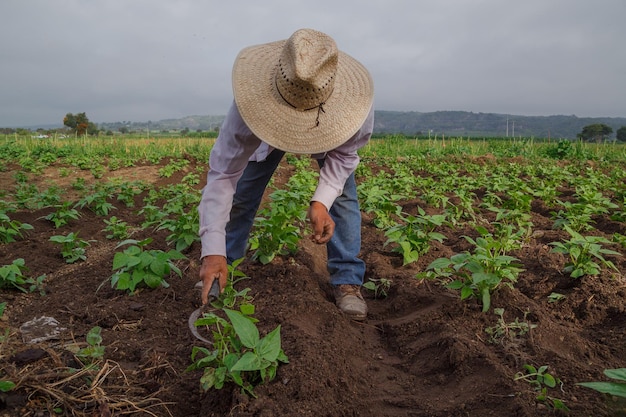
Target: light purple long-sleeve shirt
x=235, y=146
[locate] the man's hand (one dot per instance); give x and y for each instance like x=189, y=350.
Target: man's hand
x=213, y=267
x=322, y=224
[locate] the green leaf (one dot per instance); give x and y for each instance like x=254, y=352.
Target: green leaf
x=466, y=292
x=619, y=373
x=549, y=380
x=440, y=263
x=269, y=346
x=122, y=260
x=6, y=386
x=617, y=389
x=486, y=296
x=250, y=361
x=152, y=280
x=93, y=337
x=244, y=328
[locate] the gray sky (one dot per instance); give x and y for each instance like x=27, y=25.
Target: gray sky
x=143, y=60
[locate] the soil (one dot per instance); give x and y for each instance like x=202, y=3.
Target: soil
x=422, y=351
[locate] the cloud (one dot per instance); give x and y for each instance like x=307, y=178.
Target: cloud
x=151, y=59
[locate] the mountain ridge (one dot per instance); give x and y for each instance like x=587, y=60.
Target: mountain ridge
x=450, y=123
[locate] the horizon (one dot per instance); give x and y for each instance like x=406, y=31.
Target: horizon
x=60, y=124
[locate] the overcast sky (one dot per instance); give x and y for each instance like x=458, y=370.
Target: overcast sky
x=143, y=60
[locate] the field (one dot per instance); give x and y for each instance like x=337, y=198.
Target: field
x=544, y=224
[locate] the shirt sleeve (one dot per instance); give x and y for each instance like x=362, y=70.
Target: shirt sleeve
x=340, y=163
x=229, y=156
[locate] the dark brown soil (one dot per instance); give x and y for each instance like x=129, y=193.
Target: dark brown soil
x=422, y=351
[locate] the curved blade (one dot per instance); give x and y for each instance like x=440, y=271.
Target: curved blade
x=214, y=293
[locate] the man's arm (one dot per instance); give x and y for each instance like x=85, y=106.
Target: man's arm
x=227, y=161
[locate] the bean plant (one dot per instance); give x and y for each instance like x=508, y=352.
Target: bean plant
x=480, y=272
x=73, y=247
x=137, y=266
x=585, y=253
x=239, y=354
x=11, y=230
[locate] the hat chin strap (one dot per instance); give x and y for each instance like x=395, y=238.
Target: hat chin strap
x=319, y=107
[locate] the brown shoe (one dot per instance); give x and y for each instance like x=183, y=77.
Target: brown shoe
x=349, y=300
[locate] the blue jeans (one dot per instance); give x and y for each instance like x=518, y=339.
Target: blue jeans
x=344, y=265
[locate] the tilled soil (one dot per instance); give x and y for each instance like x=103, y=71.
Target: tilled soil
x=421, y=352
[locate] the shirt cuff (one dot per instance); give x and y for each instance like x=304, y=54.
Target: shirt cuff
x=213, y=243
x=326, y=195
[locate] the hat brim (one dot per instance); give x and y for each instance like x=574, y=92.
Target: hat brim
x=280, y=125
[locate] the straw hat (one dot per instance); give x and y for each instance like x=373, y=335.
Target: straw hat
x=302, y=95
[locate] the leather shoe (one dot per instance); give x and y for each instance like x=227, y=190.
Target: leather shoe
x=350, y=301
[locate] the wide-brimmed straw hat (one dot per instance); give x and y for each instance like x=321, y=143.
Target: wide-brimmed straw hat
x=302, y=95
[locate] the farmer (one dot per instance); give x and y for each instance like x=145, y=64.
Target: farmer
x=300, y=95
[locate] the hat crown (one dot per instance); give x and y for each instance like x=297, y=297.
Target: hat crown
x=307, y=67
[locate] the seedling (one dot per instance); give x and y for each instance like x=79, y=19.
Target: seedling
x=116, y=228
x=63, y=214
x=13, y=276
x=73, y=247
x=183, y=228
x=97, y=202
x=414, y=234
x=555, y=297
x=137, y=266
x=480, y=273
x=379, y=286
x=94, y=350
x=541, y=380
x=239, y=354
x=11, y=229
x=583, y=252
x=506, y=330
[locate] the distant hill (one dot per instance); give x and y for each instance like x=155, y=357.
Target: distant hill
x=461, y=123
x=449, y=123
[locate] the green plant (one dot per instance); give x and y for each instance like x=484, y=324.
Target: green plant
x=555, y=297
x=10, y=229
x=379, y=286
x=174, y=166
x=541, y=380
x=136, y=266
x=616, y=388
x=12, y=275
x=94, y=350
x=481, y=272
x=619, y=238
x=97, y=202
x=277, y=227
x=62, y=215
x=414, y=234
x=240, y=355
x=381, y=203
x=116, y=228
x=502, y=329
x=73, y=247
x=6, y=385
x=183, y=228
x=583, y=252
x=128, y=191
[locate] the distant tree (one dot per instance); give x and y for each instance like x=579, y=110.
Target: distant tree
x=595, y=132
x=123, y=129
x=621, y=134
x=79, y=123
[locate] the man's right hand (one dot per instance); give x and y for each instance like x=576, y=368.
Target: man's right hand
x=213, y=267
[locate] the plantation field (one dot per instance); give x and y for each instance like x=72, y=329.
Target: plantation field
x=485, y=260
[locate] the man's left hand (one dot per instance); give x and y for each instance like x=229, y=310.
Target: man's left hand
x=322, y=224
